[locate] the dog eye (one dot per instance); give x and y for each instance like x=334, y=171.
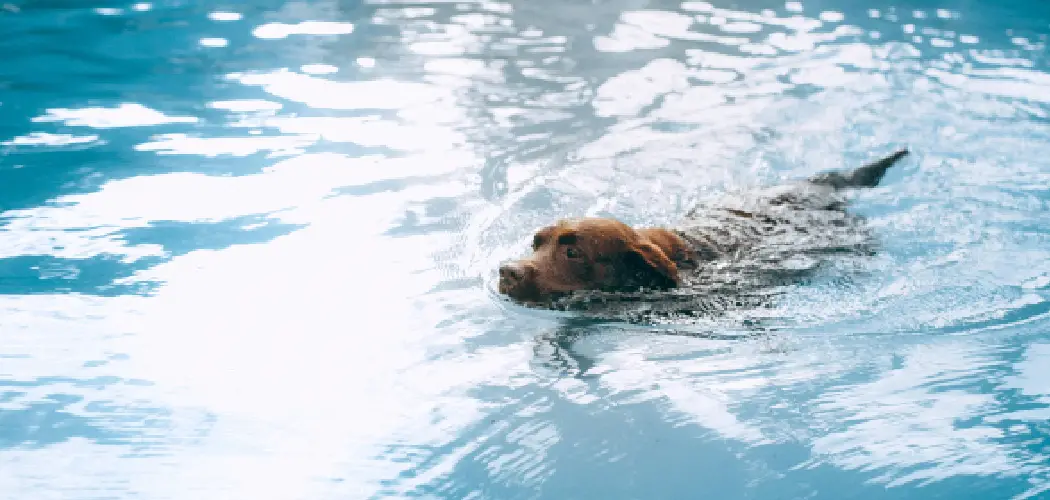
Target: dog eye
x=572, y=253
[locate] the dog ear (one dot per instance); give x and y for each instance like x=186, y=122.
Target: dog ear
x=647, y=266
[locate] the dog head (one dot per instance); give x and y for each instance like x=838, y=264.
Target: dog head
x=591, y=254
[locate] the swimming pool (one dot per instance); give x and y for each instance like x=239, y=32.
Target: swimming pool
x=248, y=252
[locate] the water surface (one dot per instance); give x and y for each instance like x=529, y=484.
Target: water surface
x=248, y=252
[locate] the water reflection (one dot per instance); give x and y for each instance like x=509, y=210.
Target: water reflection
x=248, y=252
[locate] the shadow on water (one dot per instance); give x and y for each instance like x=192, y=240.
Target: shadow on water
x=555, y=351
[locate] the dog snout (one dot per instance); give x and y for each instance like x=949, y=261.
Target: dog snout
x=518, y=280
x=512, y=272
x=517, y=277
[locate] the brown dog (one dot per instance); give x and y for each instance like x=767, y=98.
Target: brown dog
x=608, y=255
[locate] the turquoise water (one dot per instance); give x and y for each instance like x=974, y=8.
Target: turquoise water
x=248, y=252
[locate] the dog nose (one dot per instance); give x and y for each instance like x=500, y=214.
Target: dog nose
x=512, y=272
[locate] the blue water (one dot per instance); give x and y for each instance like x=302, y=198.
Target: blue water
x=248, y=252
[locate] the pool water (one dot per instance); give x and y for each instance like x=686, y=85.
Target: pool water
x=248, y=251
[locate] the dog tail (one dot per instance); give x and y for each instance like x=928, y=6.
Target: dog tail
x=864, y=177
